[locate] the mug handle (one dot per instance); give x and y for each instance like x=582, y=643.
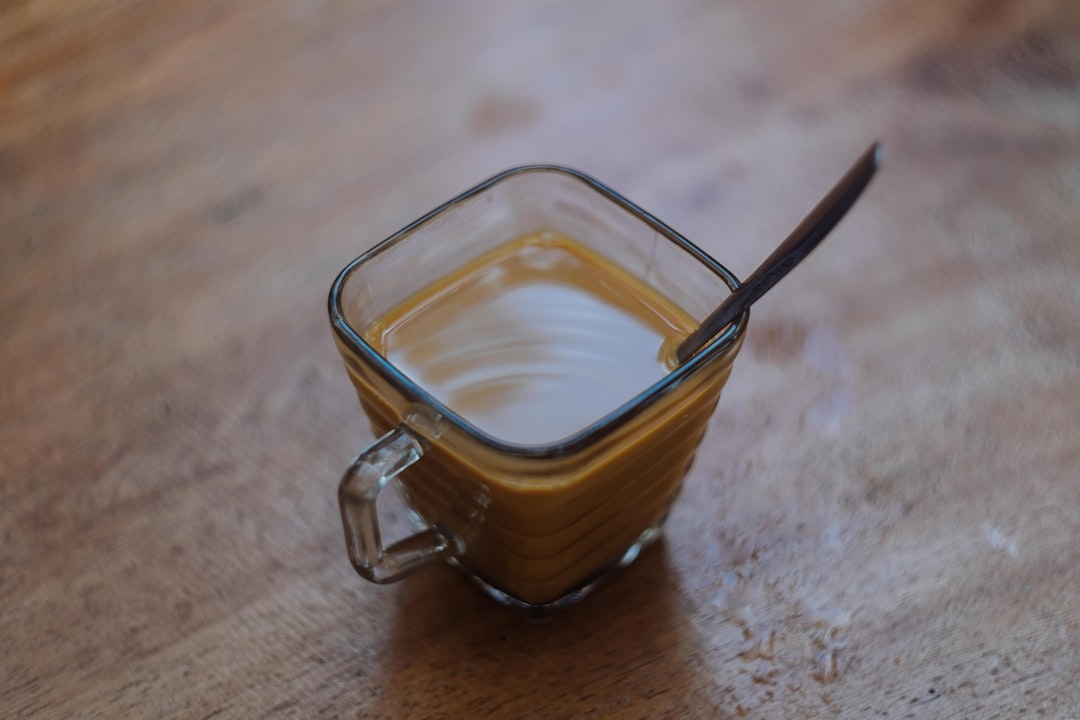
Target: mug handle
x=369, y=473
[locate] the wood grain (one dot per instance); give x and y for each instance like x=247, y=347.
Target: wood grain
x=883, y=519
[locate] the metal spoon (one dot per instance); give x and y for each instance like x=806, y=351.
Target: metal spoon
x=804, y=238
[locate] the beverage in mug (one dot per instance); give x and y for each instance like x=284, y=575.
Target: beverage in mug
x=533, y=341
x=522, y=378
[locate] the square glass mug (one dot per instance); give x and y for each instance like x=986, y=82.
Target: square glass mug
x=533, y=525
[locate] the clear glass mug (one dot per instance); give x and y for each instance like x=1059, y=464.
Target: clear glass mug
x=534, y=526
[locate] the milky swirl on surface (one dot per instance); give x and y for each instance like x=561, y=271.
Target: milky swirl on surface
x=533, y=347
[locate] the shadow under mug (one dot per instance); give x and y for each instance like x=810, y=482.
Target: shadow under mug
x=533, y=525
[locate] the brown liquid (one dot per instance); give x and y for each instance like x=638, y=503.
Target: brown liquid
x=532, y=343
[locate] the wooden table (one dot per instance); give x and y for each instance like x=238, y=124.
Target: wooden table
x=882, y=522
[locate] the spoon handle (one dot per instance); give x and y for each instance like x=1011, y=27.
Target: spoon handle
x=804, y=238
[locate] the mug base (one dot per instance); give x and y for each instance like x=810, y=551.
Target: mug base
x=646, y=538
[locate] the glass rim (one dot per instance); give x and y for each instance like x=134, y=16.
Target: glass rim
x=598, y=429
